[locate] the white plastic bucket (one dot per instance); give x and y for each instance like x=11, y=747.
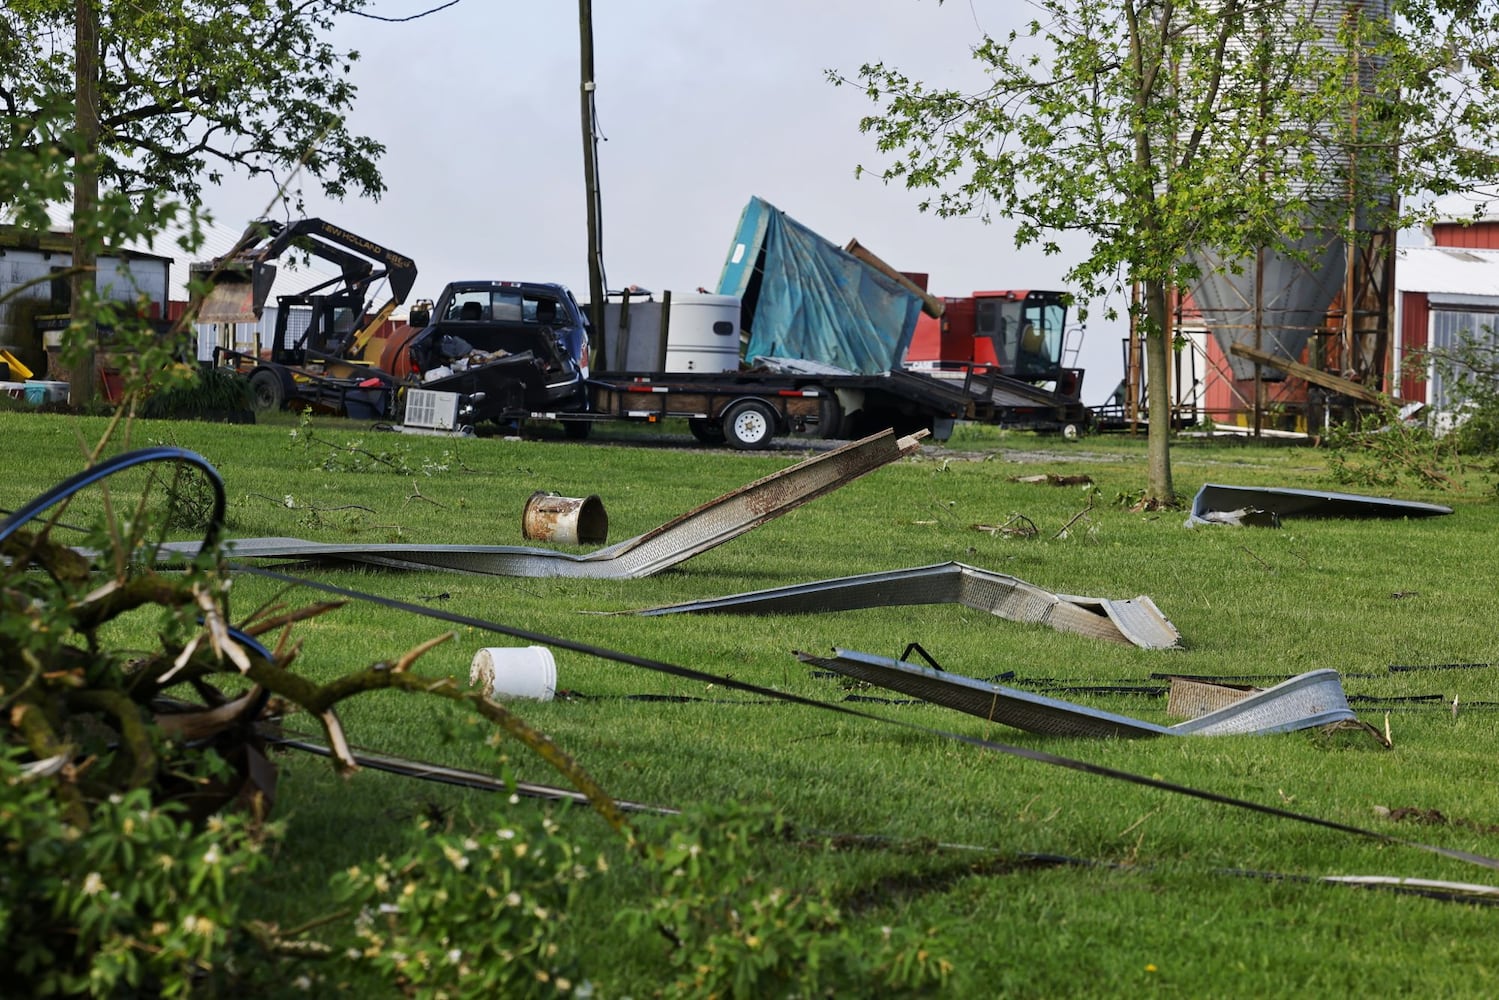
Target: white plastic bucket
x=515, y=672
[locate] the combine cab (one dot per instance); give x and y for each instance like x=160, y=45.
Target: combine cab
x=1011, y=350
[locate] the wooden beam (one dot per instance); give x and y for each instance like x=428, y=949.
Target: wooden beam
x=1327, y=380
x=930, y=304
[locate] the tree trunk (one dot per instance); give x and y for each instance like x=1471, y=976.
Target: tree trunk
x=1159, y=490
x=81, y=375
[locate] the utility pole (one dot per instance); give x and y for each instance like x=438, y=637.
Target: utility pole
x=596, y=291
x=85, y=194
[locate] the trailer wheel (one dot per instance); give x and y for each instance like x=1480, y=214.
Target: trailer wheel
x=706, y=431
x=830, y=418
x=1071, y=432
x=576, y=430
x=749, y=424
x=266, y=391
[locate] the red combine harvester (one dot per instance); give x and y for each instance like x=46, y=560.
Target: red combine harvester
x=1012, y=350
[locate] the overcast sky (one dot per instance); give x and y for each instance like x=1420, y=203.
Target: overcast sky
x=703, y=105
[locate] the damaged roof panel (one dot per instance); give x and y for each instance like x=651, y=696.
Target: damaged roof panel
x=1136, y=621
x=1217, y=503
x=1311, y=699
x=681, y=538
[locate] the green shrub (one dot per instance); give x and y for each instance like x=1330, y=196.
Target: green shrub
x=212, y=394
x=471, y=916
x=136, y=902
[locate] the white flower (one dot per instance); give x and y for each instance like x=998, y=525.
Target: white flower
x=93, y=884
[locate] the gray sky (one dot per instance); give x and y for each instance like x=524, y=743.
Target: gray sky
x=703, y=105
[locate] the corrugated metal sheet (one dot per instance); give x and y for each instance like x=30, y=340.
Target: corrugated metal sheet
x=1440, y=271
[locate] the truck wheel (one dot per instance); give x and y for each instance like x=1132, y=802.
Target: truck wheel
x=266, y=391
x=706, y=431
x=749, y=425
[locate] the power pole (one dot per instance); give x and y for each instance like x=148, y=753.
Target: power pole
x=596, y=291
x=85, y=193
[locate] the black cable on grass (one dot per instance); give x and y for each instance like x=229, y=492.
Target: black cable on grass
x=1025, y=753
x=1000, y=862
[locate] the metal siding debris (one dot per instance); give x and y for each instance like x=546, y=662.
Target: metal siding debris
x=696, y=531
x=1311, y=699
x=1136, y=621
x=1216, y=503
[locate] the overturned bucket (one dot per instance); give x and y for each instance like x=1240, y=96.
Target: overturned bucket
x=515, y=672
x=570, y=520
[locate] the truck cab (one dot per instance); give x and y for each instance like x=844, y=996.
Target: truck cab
x=512, y=347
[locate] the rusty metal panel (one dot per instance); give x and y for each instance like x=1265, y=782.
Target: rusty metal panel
x=696, y=531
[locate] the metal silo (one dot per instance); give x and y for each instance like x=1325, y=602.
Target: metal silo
x=1275, y=299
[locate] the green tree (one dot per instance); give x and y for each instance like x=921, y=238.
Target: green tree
x=189, y=90
x=1173, y=131
x=182, y=93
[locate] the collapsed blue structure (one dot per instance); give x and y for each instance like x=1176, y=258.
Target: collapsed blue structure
x=804, y=297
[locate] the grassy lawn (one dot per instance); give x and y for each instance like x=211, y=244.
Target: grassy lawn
x=1148, y=892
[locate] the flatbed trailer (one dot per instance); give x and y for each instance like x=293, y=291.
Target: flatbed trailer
x=746, y=409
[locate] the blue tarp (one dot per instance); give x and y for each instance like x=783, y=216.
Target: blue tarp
x=815, y=301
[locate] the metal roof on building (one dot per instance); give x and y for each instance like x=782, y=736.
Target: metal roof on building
x=1447, y=271
x=293, y=275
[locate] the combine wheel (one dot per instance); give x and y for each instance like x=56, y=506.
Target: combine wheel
x=749, y=424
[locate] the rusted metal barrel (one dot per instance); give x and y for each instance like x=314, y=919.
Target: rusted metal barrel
x=570, y=520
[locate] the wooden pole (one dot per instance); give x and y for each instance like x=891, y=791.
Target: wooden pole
x=596, y=290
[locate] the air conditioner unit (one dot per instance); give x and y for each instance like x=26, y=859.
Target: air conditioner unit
x=428, y=409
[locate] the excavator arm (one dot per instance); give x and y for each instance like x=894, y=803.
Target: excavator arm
x=241, y=280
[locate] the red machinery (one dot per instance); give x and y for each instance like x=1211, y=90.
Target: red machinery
x=1012, y=348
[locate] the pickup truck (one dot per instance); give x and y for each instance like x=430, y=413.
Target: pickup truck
x=509, y=347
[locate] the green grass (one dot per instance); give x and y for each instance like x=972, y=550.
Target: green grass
x=1156, y=910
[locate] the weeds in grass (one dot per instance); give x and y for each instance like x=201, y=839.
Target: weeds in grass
x=730, y=932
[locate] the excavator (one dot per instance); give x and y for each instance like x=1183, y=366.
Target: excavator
x=320, y=363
